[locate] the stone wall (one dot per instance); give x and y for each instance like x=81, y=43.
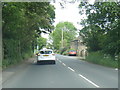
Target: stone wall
x=79, y=46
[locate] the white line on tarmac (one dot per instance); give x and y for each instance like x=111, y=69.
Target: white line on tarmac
x=64, y=64
x=60, y=61
x=89, y=81
x=71, y=69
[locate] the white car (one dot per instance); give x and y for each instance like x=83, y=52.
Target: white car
x=46, y=56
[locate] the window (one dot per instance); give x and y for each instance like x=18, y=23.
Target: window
x=45, y=52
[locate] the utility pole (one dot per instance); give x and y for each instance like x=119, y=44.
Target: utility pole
x=62, y=37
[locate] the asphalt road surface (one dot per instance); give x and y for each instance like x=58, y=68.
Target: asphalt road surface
x=68, y=72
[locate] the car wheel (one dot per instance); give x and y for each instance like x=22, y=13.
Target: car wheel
x=54, y=62
x=37, y=62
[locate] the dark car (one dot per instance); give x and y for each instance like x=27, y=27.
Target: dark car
x=72, y=53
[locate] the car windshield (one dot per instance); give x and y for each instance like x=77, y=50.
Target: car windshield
x=45, y=52
x=72, y=51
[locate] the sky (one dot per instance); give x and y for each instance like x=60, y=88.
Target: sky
x=70, y=13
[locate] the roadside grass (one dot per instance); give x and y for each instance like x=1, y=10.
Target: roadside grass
x=99, y=58
x=14, y=61
x=0, y=64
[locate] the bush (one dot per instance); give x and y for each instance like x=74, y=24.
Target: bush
x=5, y=63
x=71, y=49
x=119, y=60
x=99, y=58
x=65, y=53
x=15, y=60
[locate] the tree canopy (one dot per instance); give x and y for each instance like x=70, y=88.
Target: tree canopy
x=41, y=42
x=69, y=33
x=101, y=28
x=22, y=24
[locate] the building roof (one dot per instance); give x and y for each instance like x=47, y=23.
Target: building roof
x=78, y=38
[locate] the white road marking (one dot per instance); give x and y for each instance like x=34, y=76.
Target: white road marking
x=81, y=75
x=89, y=81
x=64, y=64
x=60, y=61
x=71, y=69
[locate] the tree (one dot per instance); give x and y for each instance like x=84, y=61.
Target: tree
x=20, y=24
x=106, y=16
x=69, y=33
x=92, y=35
x=41, y=42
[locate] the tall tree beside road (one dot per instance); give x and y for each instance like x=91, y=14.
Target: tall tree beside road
x=69, y=33
x=21, y=28
x=92, y=35
x=41, y=42
x=102, y=26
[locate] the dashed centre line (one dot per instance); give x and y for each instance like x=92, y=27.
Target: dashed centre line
x=89, y=81
x=80, y=74
x=64, y=64
x=60, y=61
x=71, y=69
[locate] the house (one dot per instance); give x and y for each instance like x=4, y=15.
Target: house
x=79, y=46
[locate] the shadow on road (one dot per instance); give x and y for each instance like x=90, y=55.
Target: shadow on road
x=43, y=63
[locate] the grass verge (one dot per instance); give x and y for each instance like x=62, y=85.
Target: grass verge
x=14, y=61
x=98, y=58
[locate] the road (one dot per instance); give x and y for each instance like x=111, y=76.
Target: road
x=69, y=72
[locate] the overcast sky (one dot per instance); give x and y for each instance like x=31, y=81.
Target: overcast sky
x=70, y=13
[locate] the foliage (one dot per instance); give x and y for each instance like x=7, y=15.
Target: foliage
x=92, y=37
x=65, y=51
x=41, y=42
x=69, y=32
x=21, y=22
x=101, y=28
x=99, y=58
